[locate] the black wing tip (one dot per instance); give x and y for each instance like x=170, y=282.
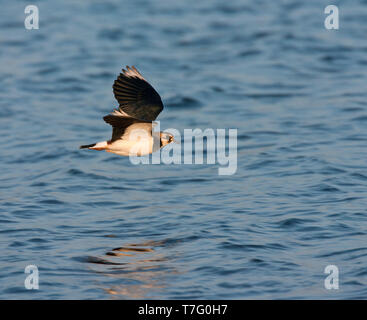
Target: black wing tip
x=136, y=96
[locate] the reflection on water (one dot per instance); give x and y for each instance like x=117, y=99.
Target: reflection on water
x=140, y=268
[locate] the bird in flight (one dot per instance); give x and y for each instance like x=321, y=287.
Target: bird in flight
x=132, y=122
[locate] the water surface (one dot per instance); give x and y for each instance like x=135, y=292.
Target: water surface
x=99, y=227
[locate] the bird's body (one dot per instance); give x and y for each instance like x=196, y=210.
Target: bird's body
x=139, y=105
x=126, y=148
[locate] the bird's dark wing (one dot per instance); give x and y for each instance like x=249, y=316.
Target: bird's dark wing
x=122, y=125
x=136, y=97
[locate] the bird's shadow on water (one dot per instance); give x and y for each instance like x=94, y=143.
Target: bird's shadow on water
x=134, y=270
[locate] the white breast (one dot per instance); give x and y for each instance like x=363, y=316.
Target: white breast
x=140, y=147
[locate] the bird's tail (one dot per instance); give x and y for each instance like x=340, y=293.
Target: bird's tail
x=95, y=146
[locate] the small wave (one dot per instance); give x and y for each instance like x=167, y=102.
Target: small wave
x=292, y=222
x=77, y=172
x=111, y=34
x=96, y=260
x=183, y=102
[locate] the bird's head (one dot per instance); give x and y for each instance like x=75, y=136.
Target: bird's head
x=166, y=138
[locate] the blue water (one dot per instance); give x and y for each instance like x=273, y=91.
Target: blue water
x=99, y=227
